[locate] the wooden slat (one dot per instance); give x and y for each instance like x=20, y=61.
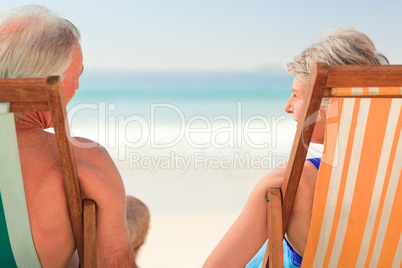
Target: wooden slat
x=302, y=139
x=265, y=261
x=23, y=90
x=67, y=159
x=16, y=107
x=89, y=214
x=364, y=76
x=23, y=82
x=275, y=236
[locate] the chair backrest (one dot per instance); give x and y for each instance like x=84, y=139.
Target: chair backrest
x=356, y=219
x=357, y=212
x=35, y=95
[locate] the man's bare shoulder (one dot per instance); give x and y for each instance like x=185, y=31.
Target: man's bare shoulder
x=96, y=169
x=90, y=150
x=92, y=153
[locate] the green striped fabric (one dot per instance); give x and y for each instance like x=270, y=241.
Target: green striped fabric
x=16, y=245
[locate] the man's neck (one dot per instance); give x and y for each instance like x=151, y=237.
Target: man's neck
x=32, y=121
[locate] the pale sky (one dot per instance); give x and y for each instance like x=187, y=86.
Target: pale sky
x=217, y=35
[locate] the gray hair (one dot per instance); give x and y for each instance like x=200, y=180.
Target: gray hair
x=342, y=46
x=35, y=42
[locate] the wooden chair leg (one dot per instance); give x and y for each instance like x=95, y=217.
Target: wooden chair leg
x=274, y=254
x=89, y=228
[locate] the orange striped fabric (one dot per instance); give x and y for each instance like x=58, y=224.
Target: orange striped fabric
x=365, y=91
x=357, y=212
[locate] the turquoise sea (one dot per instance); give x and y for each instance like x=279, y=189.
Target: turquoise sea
x=169, y=122
x=205, y=111
x=172, y=123
x=201, y=93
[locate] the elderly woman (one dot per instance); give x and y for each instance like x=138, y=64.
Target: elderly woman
x=248, y=233
x=35, y=42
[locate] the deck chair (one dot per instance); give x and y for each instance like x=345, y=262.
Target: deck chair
x=357, y=212
x=17, y=248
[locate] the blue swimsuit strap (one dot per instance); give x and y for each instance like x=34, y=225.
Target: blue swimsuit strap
x=295, y=258
x=315, y=161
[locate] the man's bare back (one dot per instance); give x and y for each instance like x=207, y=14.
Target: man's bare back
x=46, y=201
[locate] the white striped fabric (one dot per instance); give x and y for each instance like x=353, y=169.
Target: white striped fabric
x=350, y=180
x=379, y=183
x=398, y=258
x=332, y=196
x=357, y=213
x=388, y=203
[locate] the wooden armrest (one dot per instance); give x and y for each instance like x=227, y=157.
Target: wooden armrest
x=274, y=253
x=89, y=228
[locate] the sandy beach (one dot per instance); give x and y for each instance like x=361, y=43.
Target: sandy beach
x=189, y=214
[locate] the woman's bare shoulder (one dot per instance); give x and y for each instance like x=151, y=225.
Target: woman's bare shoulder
x=277, y=175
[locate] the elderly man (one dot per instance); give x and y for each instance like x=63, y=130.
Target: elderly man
x=34, y=42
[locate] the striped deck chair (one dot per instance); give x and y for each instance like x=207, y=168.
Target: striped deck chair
x=16, y=243
x=357, y=212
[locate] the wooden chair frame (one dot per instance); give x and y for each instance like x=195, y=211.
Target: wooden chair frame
x=323, y=79
x=45, y=94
